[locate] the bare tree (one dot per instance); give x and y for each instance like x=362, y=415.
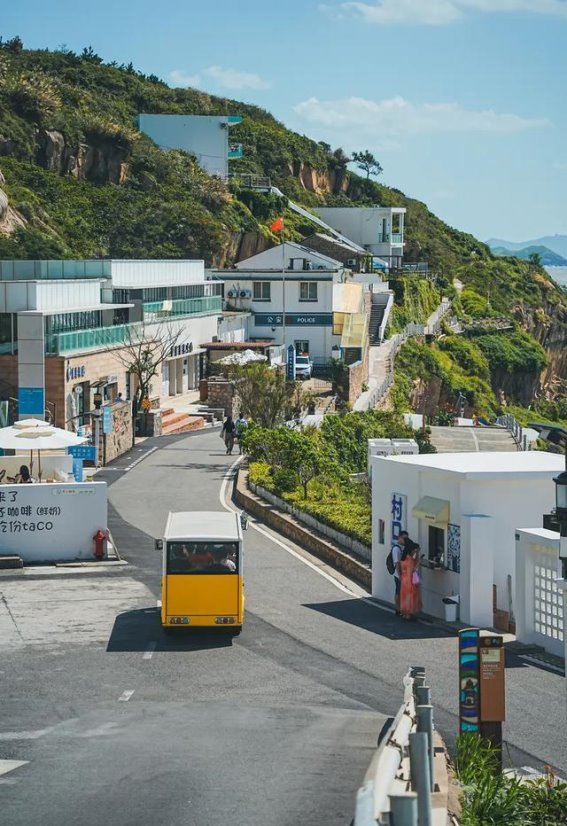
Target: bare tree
x=144, y=350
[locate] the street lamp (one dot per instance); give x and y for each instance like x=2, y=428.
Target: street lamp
x=556, y=435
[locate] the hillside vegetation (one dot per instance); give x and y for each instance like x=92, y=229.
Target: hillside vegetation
x=79, y=180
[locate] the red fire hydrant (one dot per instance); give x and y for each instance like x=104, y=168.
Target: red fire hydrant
x=100, y=544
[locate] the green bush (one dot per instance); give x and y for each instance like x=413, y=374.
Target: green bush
x=514, y=352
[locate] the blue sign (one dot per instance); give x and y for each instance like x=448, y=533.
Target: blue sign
x=291, y=362
x=82, y=452
x=106, y=419
x=31, y=401
x=294, y=319
x=78, y=470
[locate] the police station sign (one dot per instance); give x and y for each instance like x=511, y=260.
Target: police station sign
x=51, y=522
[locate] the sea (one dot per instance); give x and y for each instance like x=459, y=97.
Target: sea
x=559, y=274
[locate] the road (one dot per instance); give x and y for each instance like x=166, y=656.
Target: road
x=472, y=439
x=118, y=724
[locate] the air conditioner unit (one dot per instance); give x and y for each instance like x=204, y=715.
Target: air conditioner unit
x=244, y=293
x=351, y=262
x=231, y=294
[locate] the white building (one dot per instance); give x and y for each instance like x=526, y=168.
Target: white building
x=380, y=230
x=539, y=609
x=63, y=325
x=463, y=509
x=315, y=292
x=204, y=136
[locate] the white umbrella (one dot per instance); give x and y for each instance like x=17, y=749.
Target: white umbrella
x=242, y=358
x=39, y=436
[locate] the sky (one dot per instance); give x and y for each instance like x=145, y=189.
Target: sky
x=462, y=101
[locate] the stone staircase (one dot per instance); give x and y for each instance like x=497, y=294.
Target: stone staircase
x=376, y=316
x=177, y=421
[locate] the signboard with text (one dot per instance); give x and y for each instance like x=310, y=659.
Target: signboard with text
x=31, y=401
x=49, y=522
x=291, y=362
x=399, y=514
x=294, y=319
x=82, y=452
x=106, y=419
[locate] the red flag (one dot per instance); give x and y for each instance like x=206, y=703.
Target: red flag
x=277, y=226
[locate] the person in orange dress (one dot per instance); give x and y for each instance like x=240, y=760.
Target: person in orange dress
x=409, y=582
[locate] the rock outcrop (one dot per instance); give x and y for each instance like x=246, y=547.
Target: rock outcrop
x=101, y=164
x=10, y=218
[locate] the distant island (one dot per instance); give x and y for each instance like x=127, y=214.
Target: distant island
x=547, y=257
x=552, y=249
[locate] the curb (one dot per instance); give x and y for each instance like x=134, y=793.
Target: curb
x=296, y=531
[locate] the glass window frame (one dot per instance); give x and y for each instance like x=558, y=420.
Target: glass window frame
x=202, y=548
x=308, y=287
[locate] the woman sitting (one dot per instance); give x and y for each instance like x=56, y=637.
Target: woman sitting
x=23, y=477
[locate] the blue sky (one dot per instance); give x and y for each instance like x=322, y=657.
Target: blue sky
x=462, y=101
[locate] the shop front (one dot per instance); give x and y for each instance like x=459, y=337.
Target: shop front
x=182, y=371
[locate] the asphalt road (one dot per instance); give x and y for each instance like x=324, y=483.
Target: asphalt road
x=120, y=725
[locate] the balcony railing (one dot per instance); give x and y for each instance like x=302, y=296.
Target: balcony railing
x=182, y=306
x=58, y=343
x=393, y=238
x=234, y=150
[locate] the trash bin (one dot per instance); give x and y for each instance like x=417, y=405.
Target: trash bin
x=451, y=605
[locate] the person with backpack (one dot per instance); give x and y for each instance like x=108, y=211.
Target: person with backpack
x=228, y=433
x=393, y=564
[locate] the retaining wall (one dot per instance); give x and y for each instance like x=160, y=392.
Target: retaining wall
x=312, y=535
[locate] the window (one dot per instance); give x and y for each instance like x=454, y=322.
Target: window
x=308, y=291
x=301, y=347
x=436, y=549
x=202, y=557
x=8, y=332
x=262, y=290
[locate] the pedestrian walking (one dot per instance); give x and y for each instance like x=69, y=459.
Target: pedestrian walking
x=228, y=433
x=393, y=564
x=241, y=425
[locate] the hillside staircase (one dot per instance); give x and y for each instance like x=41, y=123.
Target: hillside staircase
x=177, y=421
x=380, y=303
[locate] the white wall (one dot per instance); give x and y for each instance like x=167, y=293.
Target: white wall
x=64, y=295
x=234, y=328
x=320, y=337
x=487, y=513
x=539, y=609
x=140, y=274
x=361, y=224
x=275, y=258
x=64, y=518
x=204, y=136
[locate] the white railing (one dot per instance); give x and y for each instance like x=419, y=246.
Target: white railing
x=513, y=427
x=400, y=779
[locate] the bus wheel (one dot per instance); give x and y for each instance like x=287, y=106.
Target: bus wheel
x=234, y=632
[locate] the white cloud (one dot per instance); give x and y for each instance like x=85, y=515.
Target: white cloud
x=225, y=78
x=394, y=117
x=443, y=12
x=179, y=78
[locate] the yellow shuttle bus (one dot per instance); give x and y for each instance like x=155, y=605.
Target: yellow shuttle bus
x=202, y=581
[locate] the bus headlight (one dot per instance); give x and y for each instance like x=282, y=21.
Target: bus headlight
x=225, y=620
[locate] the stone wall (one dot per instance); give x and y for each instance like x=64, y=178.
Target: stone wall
x=222, y=394
x=120, y=438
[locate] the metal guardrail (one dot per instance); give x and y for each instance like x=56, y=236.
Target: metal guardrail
x=400, y=779
x=432, y=327
x=513, y=426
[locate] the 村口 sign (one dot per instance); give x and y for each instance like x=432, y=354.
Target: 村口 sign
x=45, y=522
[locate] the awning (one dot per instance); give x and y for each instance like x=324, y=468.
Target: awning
x=432, y=510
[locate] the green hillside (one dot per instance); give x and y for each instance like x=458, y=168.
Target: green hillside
x=81, y=181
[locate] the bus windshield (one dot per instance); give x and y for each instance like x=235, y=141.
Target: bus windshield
x=202, y=558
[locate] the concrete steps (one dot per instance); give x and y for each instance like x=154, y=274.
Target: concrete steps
x=177, y=421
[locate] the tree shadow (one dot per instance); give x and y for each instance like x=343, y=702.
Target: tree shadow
x=141, y=630
x=359, y=613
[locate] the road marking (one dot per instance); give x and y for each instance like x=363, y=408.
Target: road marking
x=125, y=696
x=149, y=652
x=141, y=458
x=475, y=440
x=316, y=568
x=25, y=735
x=10, y=765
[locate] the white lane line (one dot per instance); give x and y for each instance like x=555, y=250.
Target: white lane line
x=149, y=652
x=125, y=696
x=9, y=765
x=141, y=458
x=475, y=440
x=316, y=568
x=25, y=735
